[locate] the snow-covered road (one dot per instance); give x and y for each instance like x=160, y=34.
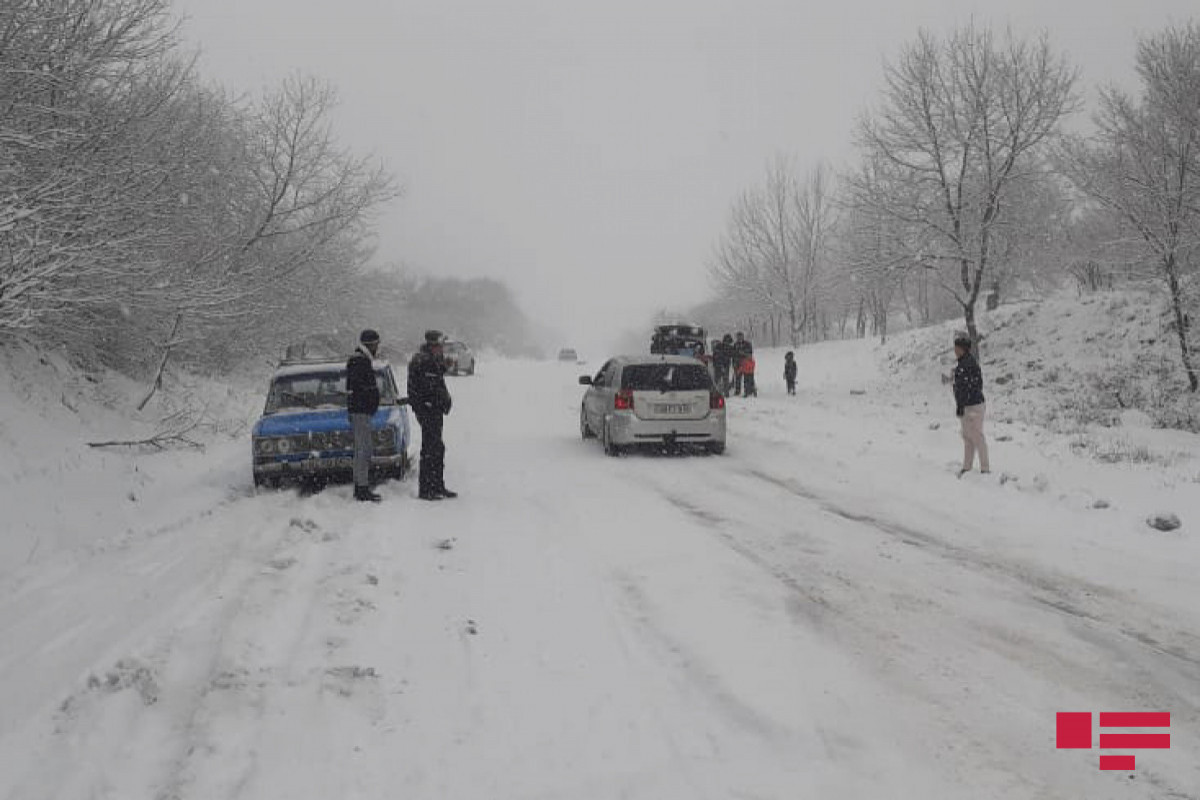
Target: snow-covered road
x=824, y=612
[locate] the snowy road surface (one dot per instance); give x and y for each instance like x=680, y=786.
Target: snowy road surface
x=825, y=612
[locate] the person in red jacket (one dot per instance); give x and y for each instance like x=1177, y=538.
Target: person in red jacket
x=742, y=349
x=746, y=369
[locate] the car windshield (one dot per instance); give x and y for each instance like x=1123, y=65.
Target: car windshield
x=666, y=378
x=319, y=390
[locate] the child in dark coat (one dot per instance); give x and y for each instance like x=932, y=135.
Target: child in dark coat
x=789, y=371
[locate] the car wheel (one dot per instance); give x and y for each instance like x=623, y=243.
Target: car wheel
x=471, y=371
x=610, y=449
x=717, y=448
x=585, y=430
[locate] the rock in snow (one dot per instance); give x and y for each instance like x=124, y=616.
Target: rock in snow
x=1164, y=522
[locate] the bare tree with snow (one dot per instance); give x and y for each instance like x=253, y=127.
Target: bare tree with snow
x=959, y=130
x=1143, y=167
x=776, y=246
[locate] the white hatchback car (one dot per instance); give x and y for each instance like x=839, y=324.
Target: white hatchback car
x=664, y=400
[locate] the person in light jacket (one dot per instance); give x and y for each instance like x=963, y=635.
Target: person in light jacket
x=970, y=406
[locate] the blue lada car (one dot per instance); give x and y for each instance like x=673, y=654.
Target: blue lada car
x=304, y=433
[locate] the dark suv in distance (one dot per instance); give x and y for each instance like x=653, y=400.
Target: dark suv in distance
x=678, y=339
x=459, y=358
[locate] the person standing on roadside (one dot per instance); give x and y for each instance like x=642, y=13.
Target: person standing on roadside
x=430, y=401
x=749, y=388
x=789, y=371
x=362, y=388
x=724, y=363
x=970, y=406
x=742, y=349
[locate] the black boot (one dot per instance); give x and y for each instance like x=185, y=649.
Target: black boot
x=446, y=493
x=429, y=496
x=364, y=494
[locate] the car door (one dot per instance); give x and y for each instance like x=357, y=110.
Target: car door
x=596, y=402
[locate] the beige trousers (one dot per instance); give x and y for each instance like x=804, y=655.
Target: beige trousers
x=973, y=440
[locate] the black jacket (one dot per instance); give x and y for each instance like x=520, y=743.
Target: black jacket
x=968, y=383
x=722, y=355
x=742, y=350
x=789, y=370
x=427, y=392
x=361, y=384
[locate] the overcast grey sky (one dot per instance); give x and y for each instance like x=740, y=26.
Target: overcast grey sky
x=587, y=152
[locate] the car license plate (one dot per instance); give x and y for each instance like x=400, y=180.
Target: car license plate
x=319, y=464
x=672, y=408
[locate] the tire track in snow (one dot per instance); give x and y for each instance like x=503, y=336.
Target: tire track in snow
x=99, y=739
x=1100, y=628
x=1059, y=592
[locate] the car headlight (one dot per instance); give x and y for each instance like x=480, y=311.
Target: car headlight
x=264, y=446
x=284, y=445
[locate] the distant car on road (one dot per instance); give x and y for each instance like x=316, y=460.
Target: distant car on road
x=304, y=432
x=459, y=358
x=568, y=354
x=663, y=400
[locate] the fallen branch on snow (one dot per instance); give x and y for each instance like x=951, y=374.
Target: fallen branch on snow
x=172, y=432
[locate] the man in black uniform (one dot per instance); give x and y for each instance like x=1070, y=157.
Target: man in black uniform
x=430, y=401
x=363, y=390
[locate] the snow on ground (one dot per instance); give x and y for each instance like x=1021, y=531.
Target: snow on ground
x=824, y=612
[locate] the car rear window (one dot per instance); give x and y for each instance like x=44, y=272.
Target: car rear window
x=666, y=377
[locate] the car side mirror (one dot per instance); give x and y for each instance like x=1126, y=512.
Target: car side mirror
x=585, y=380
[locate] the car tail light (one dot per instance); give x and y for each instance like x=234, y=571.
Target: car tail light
x=716, y=401
x=624, y=400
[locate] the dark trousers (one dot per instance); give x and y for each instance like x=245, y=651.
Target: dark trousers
x=737, y=382
x=433, y=453
x=791, y=384
x=723, y=378
x=749, y=389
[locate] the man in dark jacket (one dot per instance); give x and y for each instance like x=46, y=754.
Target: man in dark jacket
x=430, y=401
x=722, y=360
x=363, y=390
x=970, y=406
x=742, y=349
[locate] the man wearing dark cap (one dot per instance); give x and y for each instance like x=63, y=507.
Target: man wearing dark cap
x=363, y=390
x=430, y=401
x=969, y=406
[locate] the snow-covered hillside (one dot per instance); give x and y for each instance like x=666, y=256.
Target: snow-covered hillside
x=1068, y=361
x=824, y=612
